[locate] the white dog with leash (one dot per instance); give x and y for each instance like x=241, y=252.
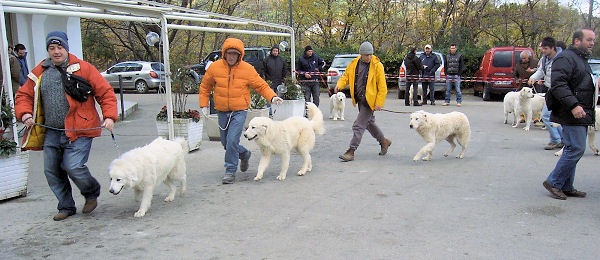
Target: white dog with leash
x=437, y=127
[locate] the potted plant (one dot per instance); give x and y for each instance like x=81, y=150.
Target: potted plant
x=186, y=123
x=293, y=101
x=14, y=164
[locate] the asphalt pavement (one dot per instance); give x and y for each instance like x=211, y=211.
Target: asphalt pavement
x=489, y=205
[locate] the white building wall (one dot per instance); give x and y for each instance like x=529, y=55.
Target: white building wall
x=31, y=31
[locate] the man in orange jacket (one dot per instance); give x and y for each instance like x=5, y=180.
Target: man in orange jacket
x=42, y=99
x=230, y=78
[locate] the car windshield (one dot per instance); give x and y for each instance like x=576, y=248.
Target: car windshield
x=341, y=62
x=158, y=66
x=502, y=59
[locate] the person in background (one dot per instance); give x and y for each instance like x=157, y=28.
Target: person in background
x=21, y=54
x=413, y=70
x=309, y=64
x=453, y=65
x=430, y=63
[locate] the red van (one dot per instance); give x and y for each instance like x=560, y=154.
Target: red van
x=496, y=71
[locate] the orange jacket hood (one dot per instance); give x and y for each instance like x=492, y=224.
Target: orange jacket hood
x=233, y=43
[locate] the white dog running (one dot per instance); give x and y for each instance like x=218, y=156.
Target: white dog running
x=517, y=103
x=437, y=127
x=280, y=137
x=144, y=167
x=337, y=104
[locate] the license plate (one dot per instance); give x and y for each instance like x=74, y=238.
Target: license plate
x=502, y=82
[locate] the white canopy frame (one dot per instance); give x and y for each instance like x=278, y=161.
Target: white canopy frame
x=137, y=11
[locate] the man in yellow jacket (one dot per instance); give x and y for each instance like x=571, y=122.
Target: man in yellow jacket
x=366, y=77
x=230, y=78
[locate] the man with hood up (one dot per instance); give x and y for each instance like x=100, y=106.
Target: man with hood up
x=309, y=64
x=230, y=78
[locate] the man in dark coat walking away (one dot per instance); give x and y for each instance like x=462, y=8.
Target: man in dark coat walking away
x=275, y=68
x=572, y=100
x=306, y=66
x=413, y=70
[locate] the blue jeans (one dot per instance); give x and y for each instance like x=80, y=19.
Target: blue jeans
x=453, y=80
x=64, y=159
x=230, y=138
x=563, y=175
x=553, y=131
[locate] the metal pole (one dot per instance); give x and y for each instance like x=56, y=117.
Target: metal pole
x=7, y=84
x=121, y=96
x=291, y=24
x=165, y=41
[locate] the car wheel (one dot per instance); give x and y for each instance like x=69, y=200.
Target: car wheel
x=141, y=86
x=487, y=95
x=401, y=94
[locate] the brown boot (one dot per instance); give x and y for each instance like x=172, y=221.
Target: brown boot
x=384, y=146
x=89, y=206
x=61, y=216
x=348, y=155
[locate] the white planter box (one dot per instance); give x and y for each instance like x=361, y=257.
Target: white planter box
x=212, y=124
x=14, y=171
x=186, y=128
x=287, y=109
x=252, y=113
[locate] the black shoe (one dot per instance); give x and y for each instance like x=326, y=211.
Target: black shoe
x=407, y=104
x=433, y=103
x=244, y=162
x=417, y=104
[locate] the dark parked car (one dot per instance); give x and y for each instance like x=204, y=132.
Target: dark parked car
x=252, y=55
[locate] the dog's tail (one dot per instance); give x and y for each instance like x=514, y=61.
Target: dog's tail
x=181, y=141
x=316, y=118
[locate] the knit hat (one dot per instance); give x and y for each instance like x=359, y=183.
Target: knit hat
x=274, y=47
x=59, y=38
x=307, y=48
x=365, y=48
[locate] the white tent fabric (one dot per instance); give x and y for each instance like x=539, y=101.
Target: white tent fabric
x=138, y=11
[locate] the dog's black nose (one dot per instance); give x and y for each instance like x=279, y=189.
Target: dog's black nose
x=410, y=126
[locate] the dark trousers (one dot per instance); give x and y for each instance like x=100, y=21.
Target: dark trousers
x=415, y=91
x=364, y=121
x=311, y=88
x=429, y=85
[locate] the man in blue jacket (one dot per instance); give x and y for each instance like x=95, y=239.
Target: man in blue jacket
x=309, y=64
x=21, y=54
x=573, y=101
x=430, y=63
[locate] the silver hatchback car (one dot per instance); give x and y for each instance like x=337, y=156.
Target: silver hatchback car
x=337, y=68
x=138, y=75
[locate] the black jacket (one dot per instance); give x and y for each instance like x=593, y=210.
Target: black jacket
x=275, y=69
x=458, y=66
x=572, y=86
x=309, y=64
x=432, y=62
x=413, y=64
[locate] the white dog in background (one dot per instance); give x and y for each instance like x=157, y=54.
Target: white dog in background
x=337, y=104
x=591, y=135
x=517, y=103
x=419, y=92
x=437, y=127
x=280, y=137
x=144, y=167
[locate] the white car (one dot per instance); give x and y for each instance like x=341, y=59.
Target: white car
x=337, y=68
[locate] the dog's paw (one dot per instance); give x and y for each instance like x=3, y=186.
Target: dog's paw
x=335, y=119
x=330, y=117
x=140, y=213
x=526, y=128
x=169, y=198
x=460, y=156
x=427, y=158
x=559, y=153
x=301, y=172
x=446, y=155
x=280, y=178
x=257, y=178
x=342, y=119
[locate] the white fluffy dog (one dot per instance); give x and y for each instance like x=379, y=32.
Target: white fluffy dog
x=537, y=104
x=517, y=103
x=437, y=127
x=280, y=137
x=419, y=92
x=337, y=104
x=591, y=136
x=144, y=167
